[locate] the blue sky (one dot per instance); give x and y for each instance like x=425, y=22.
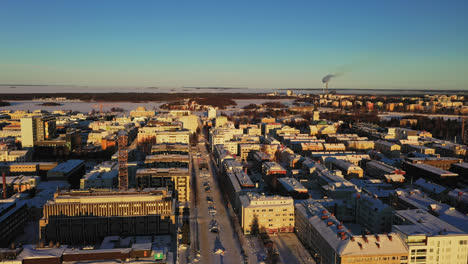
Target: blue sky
x=262, y=44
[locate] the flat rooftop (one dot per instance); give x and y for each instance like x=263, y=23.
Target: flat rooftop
x=423, y=222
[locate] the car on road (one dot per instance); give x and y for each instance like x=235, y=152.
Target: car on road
x=207, y=189
x=212, y=210
x=209, y=199
x=213, y=226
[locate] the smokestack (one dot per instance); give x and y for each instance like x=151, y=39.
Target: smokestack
x=4, y=185
x=326, y=79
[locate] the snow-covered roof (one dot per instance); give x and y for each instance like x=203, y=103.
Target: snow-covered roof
x=67, y=166
x=422, y=222
x=291, y=185
x=31, y=252
x=430, y=186
x=340, y=238
x=419, y=200
x=460, y=195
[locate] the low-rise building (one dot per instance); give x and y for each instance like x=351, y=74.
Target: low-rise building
x=271, y=171
x=21, y=183
x=379, y=169
x=71, y=171
x=348, y=168
x=428, y=172
x=292, y=187
x=103, y=176
x=15, y=155
x=141, y=111
x=388, y=148
x=416, y=199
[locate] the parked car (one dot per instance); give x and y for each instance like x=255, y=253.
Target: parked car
x=213, y=226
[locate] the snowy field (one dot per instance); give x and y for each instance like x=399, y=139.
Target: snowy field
x=86, y=107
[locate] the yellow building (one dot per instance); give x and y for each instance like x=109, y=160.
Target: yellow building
x=177, y=179
x=141, y=111
x=220, y=121
x=271, y=214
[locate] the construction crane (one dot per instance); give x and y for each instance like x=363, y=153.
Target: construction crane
x=101, y=105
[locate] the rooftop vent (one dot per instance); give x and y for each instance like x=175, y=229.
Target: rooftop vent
x=365, y=239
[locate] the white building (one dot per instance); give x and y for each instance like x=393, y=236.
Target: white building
x=429, y=239
x=180, y=136
x=103, y=176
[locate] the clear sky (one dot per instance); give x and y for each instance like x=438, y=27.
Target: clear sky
x=254, y=43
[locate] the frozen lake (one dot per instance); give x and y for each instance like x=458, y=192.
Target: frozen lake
x=84, y=107
x=87, y=107
x=161, y=89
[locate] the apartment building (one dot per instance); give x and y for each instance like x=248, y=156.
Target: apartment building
x=388, y=148
x=178, y=136
x=331, y=242
x=359, y=144
x=373, y=214
x=348, y=168
x=429, y=239
x=246, y=150
x=416, y=199
x=270, y=214
x=176, y=179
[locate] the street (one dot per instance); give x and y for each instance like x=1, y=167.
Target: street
x=203, y=240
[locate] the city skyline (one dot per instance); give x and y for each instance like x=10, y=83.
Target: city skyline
x=394, y=45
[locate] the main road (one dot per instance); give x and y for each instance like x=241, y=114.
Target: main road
x=205, y=241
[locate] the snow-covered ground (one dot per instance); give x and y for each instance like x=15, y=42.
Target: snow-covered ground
x=79, y=106
x=86, y=107
x=221, y=247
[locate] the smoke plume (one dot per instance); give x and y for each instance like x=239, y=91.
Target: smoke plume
x=328, y=77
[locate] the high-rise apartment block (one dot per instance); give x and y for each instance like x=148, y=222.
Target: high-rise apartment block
x=36, y=129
